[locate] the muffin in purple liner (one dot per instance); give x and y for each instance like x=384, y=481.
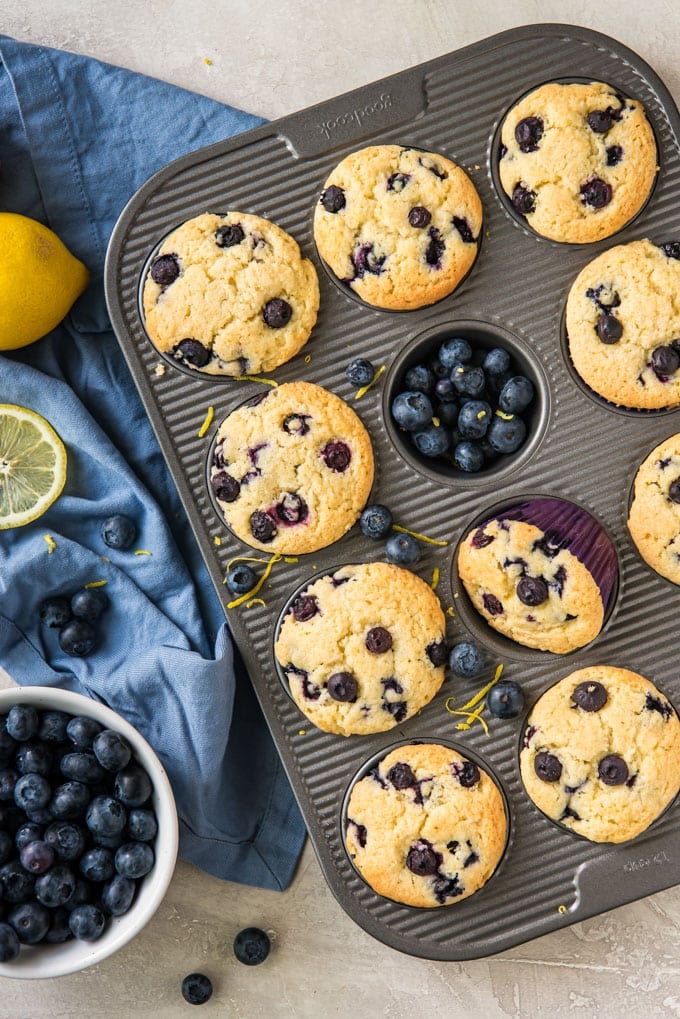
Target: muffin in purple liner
x=541, y=572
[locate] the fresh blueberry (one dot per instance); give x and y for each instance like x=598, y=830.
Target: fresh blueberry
x=468, y=456
x=36, y=857
x=412, y=410
x=119, y=532
x=82, y=767
x=516, y=395
x=31, y=921
x=69, y=801
x=8, y=780
x=34, y=757
x=10, y=946
x=59, y=930
x=251, y=946
x=496, y=361
x=56, y=886
x=87, y=922
x=376, y=521
x=142, y=825
x=474, y=419
x=446, y=412
x=444, y=391
x=117, y=895
x=67, y=839
x=468, y=379
x=52, y=728
x=54, y=612
x=456, y=350
x=16, y=884
x=360, y=372
x=419, y=379
x=506, y=436
x=89, y=603
x=466, y=659
x=77, y=638
x=8, y=745
x=22, y=722
x=432, y=441
x=105, y=817
x=402, y=549
x=505, y=699
x=241, y=578
x=82, y=730
x=134, y=859
x=97, y=864
x=31, y=792
x=6, y=846
x=439, y=370
x=197, y=987
x=111, y=750
x=132, y=785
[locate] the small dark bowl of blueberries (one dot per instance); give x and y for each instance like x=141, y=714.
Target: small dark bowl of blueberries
x=465, y=403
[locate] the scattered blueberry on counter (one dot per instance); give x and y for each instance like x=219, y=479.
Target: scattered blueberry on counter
x=75, y=618
x=464, y=405
x=376, y=521
x=360, y=372
x=251, y=946
x=505, y=699
x=402, y=549
x=240, y=579
x=196, y=988
x=466, y=659
x=119, y=532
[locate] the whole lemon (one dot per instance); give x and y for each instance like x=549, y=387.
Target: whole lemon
x=39, y=280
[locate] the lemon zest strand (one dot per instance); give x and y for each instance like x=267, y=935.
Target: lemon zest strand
x=505, y=417
x=254, y=378
x=207, y=422
x=97, y=583
x=142, y=551
x=420, y=537
x=365, y=389
x=484, y=691
x=435, y=578
x=106, y=559
x=249, y=594
x=254, y=601
x=450, y=611
x=245, y=559
x=51, y=543
x=308, y=358
x=217, y=540
x=467, y=713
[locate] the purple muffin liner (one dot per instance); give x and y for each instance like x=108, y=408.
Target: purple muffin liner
x=566, y=525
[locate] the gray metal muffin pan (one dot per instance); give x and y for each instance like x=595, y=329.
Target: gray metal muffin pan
x=587, y=451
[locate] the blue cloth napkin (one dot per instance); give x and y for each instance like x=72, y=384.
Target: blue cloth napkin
x=77, y=138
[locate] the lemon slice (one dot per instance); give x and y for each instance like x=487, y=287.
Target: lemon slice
x=32, y=465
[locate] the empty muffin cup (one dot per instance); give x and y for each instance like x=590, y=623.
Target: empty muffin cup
x=542, y=573
x=424, y=824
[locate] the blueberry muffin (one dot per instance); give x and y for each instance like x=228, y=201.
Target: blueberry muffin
x=654, y=515
x=601, y=753
x=426, y=827
x=230, y=295
x=577, y=160
x=541, y=574
x=623, y=324
x=400, y=227
x=291, y=469
x=363, y=648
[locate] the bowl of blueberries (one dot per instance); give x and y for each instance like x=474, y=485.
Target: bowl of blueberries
x=466, y=403
x=88, y=832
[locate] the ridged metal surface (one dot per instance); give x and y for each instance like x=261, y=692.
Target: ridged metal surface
x=589, y=452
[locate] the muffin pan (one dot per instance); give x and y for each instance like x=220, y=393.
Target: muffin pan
x=580, y=449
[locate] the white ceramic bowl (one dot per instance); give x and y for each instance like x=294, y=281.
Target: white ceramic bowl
x=73, y=955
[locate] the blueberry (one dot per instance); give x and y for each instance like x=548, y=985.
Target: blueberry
x=333, y=199
x=523, y=200
x=412, y=410
x=419, y=217
x=343, y=687
x=401, y=776
x=225, y=487
x=56, y=886
x=447, y=413
x=69, y=800
x=77, y=638
x=59, y=930
x=132, y=785
x=613, y=770
x=7, y=846
x=8, y=745
x=665, y=361
x=671, y=249
x=10, y=945
x=547, y=767
x=422, y=859
x=596, y=193
x=142, y=825
x=469, y=380
x=240, y=579
x=277, y=313
x=54, y=612
x=229, y=235
x=376, y=521
x=378, y=640
x=532, y=590
x=33, y=757
x=8, y=780
x=506, y=436
x=52, y=728
x=105, y=817
x=435, y=249
x=67, y=839
x=31, y=921
x=516, y=395
x=291, y=509
x=360, y=372
x=608, y=327
x=36, y=857
x=31, y=792
x=505, y=699
x=86, y=922
x=528, y=133
x=444, y=391
x=402, y=549
x=134, y=859
x=197, y=987
x=438, y=653
x=165, y=270
x=118, y=894
x=466, y=659
x=464, y=229
x=474, y=419
x=119, y=532
x=600, y=121
x=251, y=946
x=89, y=603
x=468, y=456
x=432, y=441
x=337, y=455
x=419, y=379
x=468, y=775
x=673, y=495
x=304, y=607
x=111, y=750
x=82, y=767
x=456, y=350
x=614, y=155
x=97, y=864
x=22, y=722
x=192, y=352
x=16, y=884
x=262, y=527
x=496, y=361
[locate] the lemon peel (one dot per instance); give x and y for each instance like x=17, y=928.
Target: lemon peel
x=420, y=537
x=474, y=702
x=206, y=422
x=254, y=590
x=255, y=378
x=51, y=543
x=96, y=583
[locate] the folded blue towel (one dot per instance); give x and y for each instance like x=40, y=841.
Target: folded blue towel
x=78, y=138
